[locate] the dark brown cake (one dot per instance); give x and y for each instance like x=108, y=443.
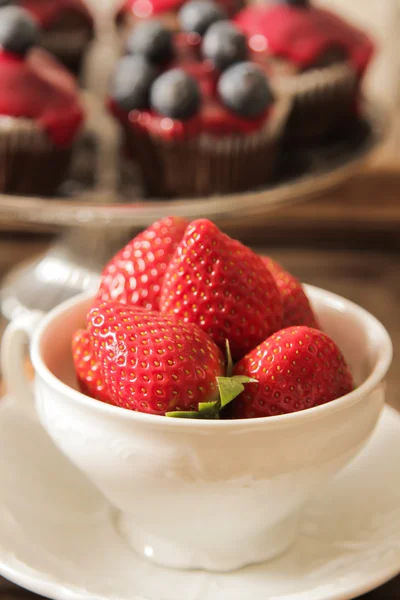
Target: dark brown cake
x=66, y=28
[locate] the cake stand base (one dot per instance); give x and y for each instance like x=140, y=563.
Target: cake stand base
x=70, y=266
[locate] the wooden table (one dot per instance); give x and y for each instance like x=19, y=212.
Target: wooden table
x=369, y=278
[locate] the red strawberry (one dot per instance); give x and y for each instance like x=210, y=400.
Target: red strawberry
x=89, y=376
x=222, y=286
x=296, y=368
x=152, y=363
x=296, y=306
x=135, y=274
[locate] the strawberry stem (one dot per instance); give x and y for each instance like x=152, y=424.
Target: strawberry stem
x=229, y=361
x=229, y=388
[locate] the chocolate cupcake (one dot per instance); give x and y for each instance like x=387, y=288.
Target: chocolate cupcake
x=313, y=57
x=134, y=11
x=40, y=111
x=197, y=117
x=66, y=28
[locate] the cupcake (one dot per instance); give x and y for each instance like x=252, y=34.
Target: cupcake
x=198, y=117
x=134, y=11
x=40, y=111
x=66, y=28
x=313, y=57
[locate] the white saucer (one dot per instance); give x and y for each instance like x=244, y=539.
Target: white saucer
x=57, y=536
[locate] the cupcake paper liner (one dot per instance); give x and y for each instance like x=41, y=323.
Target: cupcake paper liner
x=30, y=164
x=208, y=165
x=322, y=100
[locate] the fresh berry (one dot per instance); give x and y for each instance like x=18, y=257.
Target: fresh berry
x=175, y=94
x=18, y=30
x=196, y=16
x=296, y=306
x=244, y=89
x=296, y=368
x=134, y=276
x=152, y=363
x=224, y=45
x=152, y=40
x=131, y=82
x=90, y=378
x=219, y=284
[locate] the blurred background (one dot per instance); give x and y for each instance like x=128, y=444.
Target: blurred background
x=347, y=240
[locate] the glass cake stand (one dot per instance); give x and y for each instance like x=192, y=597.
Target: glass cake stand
x=96, y=214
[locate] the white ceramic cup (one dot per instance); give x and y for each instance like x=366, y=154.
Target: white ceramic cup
x=214, y=495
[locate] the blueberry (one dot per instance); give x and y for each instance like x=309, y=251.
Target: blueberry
x=18, y=30
x=152, y=40
x=176, y=95
x=131, y=82
x=224, y=45
x=197, y=15
x=244, y=90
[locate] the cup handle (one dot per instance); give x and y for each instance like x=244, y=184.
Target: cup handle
x=13, y=354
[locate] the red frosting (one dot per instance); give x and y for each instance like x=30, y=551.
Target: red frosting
x=144, y=9
x=148, y=8
x=48, y=12
x=187, y=48
x=213, y=119
x=302, y=35
x=39, y=88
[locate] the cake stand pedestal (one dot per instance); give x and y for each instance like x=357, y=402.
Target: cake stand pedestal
x=71, y=265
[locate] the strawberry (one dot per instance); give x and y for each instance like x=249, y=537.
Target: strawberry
x=222, y=286
x=152, y=363
x=296, y=306
x=296, y=368
x=135, y=274
x=90, y=378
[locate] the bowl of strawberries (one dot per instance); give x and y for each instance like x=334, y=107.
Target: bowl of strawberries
x=205, y=391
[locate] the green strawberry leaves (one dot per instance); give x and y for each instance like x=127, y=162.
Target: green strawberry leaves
x=230, y=387
x=184, y=414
